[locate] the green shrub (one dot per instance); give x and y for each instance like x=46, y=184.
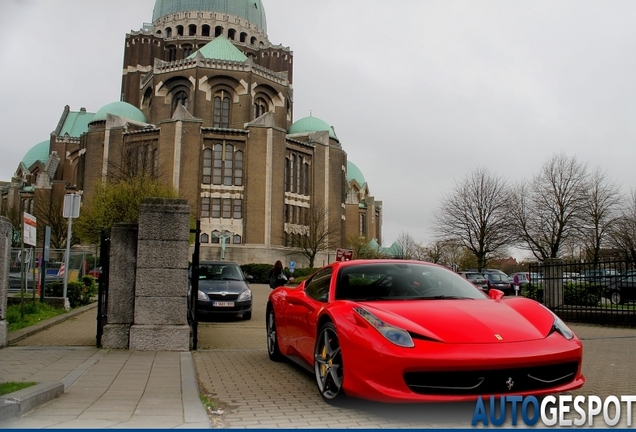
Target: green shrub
x=260, y=272
x=582, y=294
x=79, y=293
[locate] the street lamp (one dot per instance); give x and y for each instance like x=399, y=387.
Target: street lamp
x=222, y=236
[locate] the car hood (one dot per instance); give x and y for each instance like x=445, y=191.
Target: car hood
x=467, y=321
x=229, y=286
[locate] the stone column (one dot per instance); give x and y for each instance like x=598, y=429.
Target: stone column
x=553, y=283
x=161, y=288
x=6, y=231
x=121, y=286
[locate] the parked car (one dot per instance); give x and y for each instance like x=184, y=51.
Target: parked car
x=409, y=331
x=477, y=279
x=598, y=276
x=622, y=288
x=223, y=290
x=499, y=281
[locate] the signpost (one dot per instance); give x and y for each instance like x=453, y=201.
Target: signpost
x=71, y=211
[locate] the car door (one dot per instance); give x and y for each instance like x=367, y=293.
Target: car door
x=303, y=311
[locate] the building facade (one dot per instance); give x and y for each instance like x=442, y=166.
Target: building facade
x=206, y=106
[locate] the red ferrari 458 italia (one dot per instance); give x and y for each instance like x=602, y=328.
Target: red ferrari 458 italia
x=409, y=331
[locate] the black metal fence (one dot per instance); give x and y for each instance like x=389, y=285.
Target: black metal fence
x=600, y=293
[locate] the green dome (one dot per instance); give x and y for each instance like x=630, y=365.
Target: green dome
x=121, y=109
x=311, y=124
x=354, y=173
x=39, y=152
x=250, y=10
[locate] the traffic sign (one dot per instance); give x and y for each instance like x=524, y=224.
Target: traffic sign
x=344, y=254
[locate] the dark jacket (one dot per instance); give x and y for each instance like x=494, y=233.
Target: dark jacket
x=276, y=280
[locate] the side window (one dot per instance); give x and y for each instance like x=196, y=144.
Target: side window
x=318, y=287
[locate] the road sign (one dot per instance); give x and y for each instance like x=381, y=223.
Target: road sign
x=344, y=254
x=30, y=231
x=292, y=266
x=71, y=206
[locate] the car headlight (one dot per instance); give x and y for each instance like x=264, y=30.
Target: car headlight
x=560, y=327
x=245, y=295
x=393, y=334
x=202, y=295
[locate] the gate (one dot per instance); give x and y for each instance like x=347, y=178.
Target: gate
x=193, y=288
x=102, y=293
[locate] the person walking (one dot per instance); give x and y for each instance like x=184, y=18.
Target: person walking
x=277, y=276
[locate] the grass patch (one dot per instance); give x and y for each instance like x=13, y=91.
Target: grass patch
x=208, y=403
x=34, y=312
x=12, y=386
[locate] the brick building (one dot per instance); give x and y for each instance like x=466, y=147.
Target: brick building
x=207, y=106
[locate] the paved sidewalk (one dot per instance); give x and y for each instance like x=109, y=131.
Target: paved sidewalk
x=99, y=388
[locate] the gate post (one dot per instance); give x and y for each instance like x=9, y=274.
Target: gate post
x=119, y=274
x=161, y=287
x=6, y=231
x=553, y=280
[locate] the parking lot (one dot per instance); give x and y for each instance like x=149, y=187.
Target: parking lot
x=253, y=392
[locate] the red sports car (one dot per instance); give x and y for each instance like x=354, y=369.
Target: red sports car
x=409, y=331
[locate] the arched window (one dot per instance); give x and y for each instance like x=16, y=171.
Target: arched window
x=205, y=238
x=169, y=32
x=306, y=179
x=207, y=166
x=236, y=239
x=253, y=40
x=231, y=34
x=192, y=30
x=238, y=168
x=187, y=50
x=179, y=30
x=260, y=107
x=172, y=53
x=205, y=30
x=243, y=37
x=221, y=110
x=287, y=187
x=218, y=31
x=180, y=98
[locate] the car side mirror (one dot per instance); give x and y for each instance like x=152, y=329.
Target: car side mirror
x=495, y=294
x=249, y=278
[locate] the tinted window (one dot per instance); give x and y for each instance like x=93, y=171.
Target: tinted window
x=318, y=287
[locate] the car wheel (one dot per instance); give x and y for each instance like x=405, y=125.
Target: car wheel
x=247, y=316
x=328, y=366
x=272, y=342
x=616, y=298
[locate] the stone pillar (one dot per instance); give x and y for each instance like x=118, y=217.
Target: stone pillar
x=553, y=283
x=121, y=286
x=6, y=231
x=161, y=288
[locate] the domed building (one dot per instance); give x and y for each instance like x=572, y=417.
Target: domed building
x=207, y=107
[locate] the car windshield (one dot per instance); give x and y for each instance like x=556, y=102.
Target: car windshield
x=220, y=272
x=475, y=276
x=408, y=281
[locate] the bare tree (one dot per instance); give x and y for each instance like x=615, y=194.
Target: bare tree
x=361, y=248
x=600, y=212
x=544, y=213
x=407, y=246
x=445, y=252
x=474, y=215
x=322, y=231
x=49, y=212
x=623, y=233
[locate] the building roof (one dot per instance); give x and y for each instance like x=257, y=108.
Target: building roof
x=311, y=124
x=250, y=10
x=354, y=173
x=220, y=48
x=39, y=152
x=121, y=109
x=76, y=123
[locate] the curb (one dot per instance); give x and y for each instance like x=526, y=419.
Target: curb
x=17, y=403
x=18, y=335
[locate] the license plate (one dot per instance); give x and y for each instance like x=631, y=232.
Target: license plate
x=223, y=304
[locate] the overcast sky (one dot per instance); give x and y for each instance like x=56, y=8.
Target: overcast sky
x=420, y=93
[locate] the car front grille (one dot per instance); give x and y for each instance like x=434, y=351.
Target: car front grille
x=220, y=297
x=486, y=382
